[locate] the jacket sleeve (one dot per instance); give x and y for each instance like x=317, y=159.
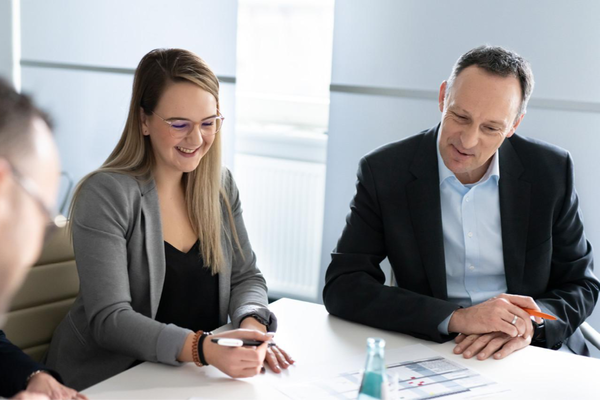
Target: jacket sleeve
x=16, y=367
x=355, y=284
x=102, y=218
x=248, y=286
x=573, y=287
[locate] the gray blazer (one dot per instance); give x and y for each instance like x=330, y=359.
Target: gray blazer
x=119, y=249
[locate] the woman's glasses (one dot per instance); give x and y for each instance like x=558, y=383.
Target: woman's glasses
x=180, y=128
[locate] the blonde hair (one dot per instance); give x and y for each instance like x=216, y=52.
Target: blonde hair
x=133, y=155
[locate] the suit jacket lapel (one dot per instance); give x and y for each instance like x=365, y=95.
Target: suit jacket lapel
x=514, y=215
x=155, y=249
x=426, y=213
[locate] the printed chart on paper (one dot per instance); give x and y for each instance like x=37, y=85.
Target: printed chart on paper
x=415, y=372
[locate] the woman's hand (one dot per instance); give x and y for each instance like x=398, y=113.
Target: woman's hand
x=276, y=357
x=237, y=362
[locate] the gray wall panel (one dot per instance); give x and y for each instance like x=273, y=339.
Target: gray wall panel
x=414, y=43
x=115, y=33
x=359, y=124
x=89, y=111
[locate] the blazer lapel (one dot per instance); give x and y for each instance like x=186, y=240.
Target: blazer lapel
x=155, y=249
x=426, y=213
x=225, y=273
x=514, y=215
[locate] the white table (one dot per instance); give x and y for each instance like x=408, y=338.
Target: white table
x=319, y=341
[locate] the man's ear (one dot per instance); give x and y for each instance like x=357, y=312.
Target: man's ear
x=515, y=126
x=442, y=95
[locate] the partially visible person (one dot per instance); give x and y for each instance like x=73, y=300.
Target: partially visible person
x=29, y=177
x=160, y=244
x=21, y=373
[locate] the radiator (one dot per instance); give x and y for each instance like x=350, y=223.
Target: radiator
x=282, y=202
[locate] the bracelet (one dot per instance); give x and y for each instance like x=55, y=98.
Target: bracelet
x=195, y=355
x=30, y=377
x=197, y=350
x=201, y=349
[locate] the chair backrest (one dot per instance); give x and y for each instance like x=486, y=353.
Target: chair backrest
x=45, y=298
x=590, y=334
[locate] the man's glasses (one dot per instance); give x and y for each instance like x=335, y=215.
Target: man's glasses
x=56, y=219
x=180, y=128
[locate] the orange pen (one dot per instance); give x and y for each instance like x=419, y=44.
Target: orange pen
x=540, y=314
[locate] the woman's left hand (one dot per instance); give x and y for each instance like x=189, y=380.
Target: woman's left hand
x=276, y=358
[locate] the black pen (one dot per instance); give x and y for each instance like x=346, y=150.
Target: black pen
x=230, y=342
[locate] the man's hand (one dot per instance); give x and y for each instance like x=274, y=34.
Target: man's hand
x=498, y=344
x=46, y=384
x=523, y=302
x=495, y=315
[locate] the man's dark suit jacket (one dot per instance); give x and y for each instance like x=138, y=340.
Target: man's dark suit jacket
x=396, y=213
x=16, y=367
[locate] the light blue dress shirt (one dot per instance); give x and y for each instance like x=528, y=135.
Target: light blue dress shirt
x=472, y=237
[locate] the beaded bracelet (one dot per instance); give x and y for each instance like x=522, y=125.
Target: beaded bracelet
x=195, y=355
x=197, y=350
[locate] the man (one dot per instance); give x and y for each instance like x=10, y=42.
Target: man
x=29, y=177
x=477, y=223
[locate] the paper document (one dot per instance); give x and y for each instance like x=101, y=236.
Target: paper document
x=415, y=372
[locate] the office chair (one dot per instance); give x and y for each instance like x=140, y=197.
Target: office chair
x=45, y=297
x=591, y=335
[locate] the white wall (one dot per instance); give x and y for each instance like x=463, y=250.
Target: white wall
x=78, y=59
x=394, y=54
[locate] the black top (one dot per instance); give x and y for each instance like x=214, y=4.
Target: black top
x=16, y=367
x=190, y=296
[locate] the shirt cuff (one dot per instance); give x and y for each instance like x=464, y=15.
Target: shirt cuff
x=443, y=326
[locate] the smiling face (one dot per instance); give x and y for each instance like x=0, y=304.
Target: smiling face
x=181, y=101
x=478, y=113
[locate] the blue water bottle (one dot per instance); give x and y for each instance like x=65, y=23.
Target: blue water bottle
x=374, y=382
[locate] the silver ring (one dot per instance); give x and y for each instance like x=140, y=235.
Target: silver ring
x=514, y=320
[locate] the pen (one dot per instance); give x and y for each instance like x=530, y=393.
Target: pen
x=228, y=342
x=540, y=314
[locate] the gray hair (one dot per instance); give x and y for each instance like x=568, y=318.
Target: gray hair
x=497, y=61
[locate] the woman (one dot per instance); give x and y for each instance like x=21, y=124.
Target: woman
x=160, y=243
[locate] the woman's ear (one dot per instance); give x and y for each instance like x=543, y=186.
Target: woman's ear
x=144, y=122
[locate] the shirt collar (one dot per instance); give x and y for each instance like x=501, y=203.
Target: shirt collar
x=444, y=173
